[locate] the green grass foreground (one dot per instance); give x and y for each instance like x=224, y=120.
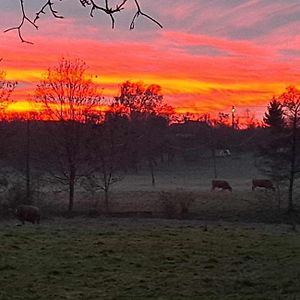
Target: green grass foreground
x=148, y=259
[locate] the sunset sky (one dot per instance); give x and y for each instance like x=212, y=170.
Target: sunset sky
x=209, y=56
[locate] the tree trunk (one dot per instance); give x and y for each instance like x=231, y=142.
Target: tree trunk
x=213, y=152
x=27, y=171
x=71, y=190
x=293, y=167
x=291, y=191
x=278, y=195
x=106, y=200
x=152, y=172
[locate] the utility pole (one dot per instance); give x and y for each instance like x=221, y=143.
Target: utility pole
x=233, y=117
x=213, y=146
x=27, y=164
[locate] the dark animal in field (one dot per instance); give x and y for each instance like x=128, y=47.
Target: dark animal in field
x=262, y=183
x=28, y=213
x=220, y=184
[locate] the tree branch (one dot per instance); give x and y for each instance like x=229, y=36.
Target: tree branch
x=140, y=12
x=52, y=10
x=91, y=4
x=23, y=20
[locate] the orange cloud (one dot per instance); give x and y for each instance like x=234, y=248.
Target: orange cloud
x=197, y=72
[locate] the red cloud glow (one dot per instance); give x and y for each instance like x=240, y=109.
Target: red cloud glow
x=202, y=66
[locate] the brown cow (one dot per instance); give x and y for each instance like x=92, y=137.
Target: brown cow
x=28, y=213
x=220, y=184
x=262, y=183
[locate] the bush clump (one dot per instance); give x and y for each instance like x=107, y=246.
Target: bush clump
x=176, y=203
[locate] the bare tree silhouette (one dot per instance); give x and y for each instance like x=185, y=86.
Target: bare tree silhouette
x=107, y=155
x=69, y=97
x=106, y=8
x=148, y=115
x=291, y=107
x=6, y=88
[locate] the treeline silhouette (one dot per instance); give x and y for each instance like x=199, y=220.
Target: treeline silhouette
x=99, y=154
x=71, y=140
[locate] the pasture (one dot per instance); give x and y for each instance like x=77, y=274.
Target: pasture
x=136, y=194
x=229, y=246
x=148, y=259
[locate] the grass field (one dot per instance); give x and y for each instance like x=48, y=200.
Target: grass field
x=248, y=251
x=148, y=259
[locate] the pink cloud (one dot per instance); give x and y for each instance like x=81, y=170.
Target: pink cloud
x=232, y=47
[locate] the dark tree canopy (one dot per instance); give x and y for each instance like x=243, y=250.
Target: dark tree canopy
x=107, y=7
x=137, y=97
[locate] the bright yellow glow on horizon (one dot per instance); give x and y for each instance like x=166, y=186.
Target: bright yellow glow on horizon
x=27, y=75
x=200, y=92
x=27, y=106
x=24, y=106
x=175, y=85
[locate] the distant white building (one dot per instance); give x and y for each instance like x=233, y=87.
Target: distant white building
x=222, y=153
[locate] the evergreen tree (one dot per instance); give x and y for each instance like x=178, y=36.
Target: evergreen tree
x=279, y=155
x=271, y=156
x=274, y=117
